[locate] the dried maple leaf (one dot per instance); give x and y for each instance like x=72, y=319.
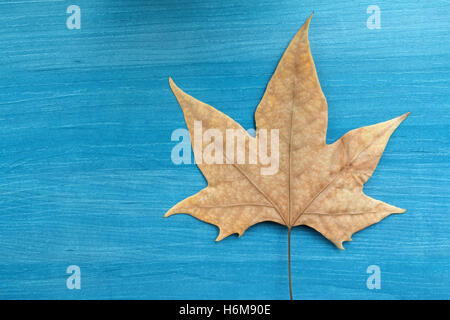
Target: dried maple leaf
x=317, y=184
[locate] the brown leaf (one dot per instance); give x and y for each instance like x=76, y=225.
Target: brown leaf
x=317, y=184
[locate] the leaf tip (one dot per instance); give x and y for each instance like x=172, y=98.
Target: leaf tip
x=168, y=213
x=172, y=83
x=404, y=116
x=221, y=236
x=306, y=24
x=339, y=243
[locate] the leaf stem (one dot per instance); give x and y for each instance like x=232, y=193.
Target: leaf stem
x=289, y=259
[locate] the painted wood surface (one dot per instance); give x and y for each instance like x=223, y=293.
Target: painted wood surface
x=86, y=118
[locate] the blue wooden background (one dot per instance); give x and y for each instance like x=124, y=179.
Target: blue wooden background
x=86, y=118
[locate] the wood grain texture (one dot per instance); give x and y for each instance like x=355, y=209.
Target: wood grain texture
x=85, y=123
